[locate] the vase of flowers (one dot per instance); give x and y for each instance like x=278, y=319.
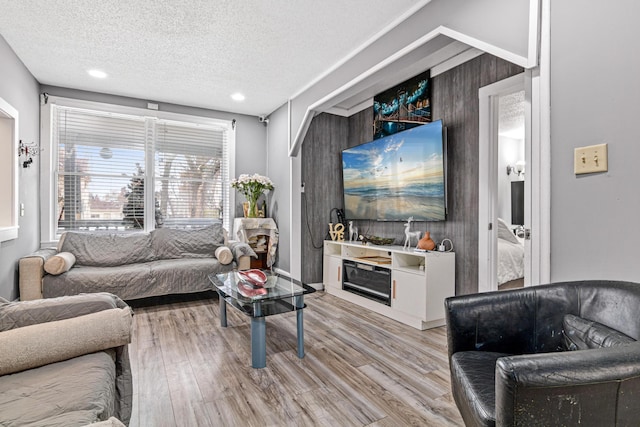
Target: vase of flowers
x=252, y=186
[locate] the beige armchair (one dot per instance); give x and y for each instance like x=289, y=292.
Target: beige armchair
x=65, y=360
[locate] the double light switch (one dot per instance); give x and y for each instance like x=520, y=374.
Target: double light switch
x=590, y=159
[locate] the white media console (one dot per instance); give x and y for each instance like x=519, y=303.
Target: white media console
x=420, y=281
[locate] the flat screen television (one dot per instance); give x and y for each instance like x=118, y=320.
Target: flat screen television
x=398, y=176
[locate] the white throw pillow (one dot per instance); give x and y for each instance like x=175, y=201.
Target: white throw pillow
x=44, y=343
x=505, y=233
x=224, y=255
x=60, y=263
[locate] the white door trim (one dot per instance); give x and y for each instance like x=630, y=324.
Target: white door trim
x=537, y=82
x=541, y=151
x=487, y=177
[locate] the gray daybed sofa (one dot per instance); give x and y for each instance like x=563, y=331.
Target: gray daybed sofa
x=64, y=361
x=131, y=266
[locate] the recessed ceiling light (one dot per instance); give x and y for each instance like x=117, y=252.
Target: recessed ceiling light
x=237, y=97
x=98, y=74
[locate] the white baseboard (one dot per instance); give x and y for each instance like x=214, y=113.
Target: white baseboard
x=317, y=286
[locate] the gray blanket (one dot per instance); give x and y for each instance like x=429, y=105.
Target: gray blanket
x=139, y=265
x=32, y=391
x=75, y=392
x=133, y=281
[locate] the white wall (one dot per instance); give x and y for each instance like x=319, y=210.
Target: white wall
x=20, y=90
x=595, y=91
x=278, y=169
x=501, y=27
x=509, y=152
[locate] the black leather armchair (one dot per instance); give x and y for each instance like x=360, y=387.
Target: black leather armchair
x=510, y=364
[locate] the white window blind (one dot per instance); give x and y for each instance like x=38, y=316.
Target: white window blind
x=190, y=172
x=100, y=169
x=110, y=167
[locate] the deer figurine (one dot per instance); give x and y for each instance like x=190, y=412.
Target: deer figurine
x=353, y=232
x=408, y=234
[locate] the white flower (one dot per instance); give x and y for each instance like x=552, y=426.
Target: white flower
x=252, y=186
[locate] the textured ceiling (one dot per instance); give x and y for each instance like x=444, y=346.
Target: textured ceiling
x=192, y=52
x=511, y=115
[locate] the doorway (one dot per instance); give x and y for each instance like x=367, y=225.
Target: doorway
x=503, y=190
x=511, y=164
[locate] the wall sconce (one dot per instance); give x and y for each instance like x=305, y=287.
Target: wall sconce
x=29, y=151
x=518, y=168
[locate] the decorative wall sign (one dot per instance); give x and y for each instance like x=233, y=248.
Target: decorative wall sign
x=336, y=231
x=402, y=107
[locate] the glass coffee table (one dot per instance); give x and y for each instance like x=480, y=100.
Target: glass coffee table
x=280, y=294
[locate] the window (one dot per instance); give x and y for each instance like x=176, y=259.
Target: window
x=8, y=171
x=190, y=174
x=99, y=169
x=127, y=171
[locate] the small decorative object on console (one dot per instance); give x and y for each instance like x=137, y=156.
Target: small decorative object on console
x=377, y=240
x=336, y=231
x=426, y=242
x=353, y=232
x=408, y=234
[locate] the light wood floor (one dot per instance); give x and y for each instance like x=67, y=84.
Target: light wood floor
x=360, y=368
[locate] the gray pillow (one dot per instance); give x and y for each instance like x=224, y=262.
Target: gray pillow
x=583, y=334
x=107, y=249
x=170, y=243
x=240, y=248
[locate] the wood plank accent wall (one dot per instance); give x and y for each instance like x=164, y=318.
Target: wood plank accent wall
x=454, y=99
x=321, y=173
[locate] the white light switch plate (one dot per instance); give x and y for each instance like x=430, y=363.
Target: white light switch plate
x=590, y=159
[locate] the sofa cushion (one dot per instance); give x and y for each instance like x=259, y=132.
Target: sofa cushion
x=583, y=334
x=108, y=250
x=75, y=392
x=162, y=277
x=126, y=281
x=187, y=275
x=473, y=375
x=197, y=243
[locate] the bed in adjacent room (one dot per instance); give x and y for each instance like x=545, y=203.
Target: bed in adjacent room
x=510, y=269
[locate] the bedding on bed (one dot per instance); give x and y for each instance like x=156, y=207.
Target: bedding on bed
x=510, y=255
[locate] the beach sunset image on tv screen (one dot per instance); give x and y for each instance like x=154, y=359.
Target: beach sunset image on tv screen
x=397, y=177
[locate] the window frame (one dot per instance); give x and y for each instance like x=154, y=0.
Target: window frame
x=48, y=157
x=9, y=129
